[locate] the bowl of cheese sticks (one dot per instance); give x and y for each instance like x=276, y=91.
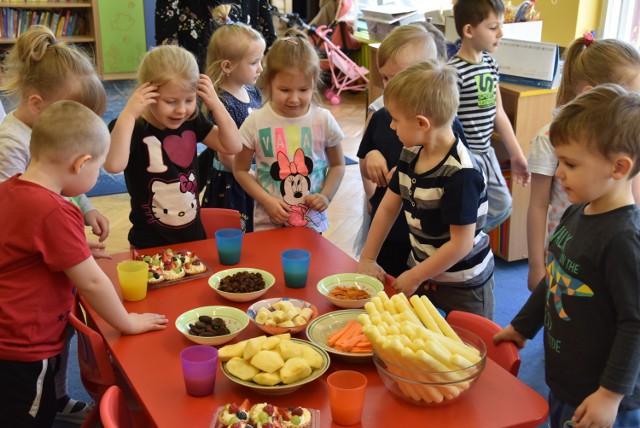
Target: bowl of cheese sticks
x=421, y=358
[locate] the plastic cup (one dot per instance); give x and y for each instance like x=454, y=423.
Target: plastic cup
x=346, y=396
x=133, y=275
x=199, y=367
x=295, y=265
x=229, y=243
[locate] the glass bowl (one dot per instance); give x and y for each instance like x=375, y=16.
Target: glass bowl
x=430, y=388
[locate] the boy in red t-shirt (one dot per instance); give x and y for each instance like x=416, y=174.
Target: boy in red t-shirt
x=45, y=258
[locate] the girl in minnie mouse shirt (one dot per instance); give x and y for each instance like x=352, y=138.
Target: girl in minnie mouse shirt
x=154, y=139
x=296, y=143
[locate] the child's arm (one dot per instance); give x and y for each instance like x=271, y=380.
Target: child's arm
x=599, y=409
x=96, y=287
x=386, y=215
x=224, y=138
x=508, y=137
x=509, y=334
x=368, y=185
x=320, y=201
x=118, y=155
x=460, y=244
x=537, y=226
x=277, y=209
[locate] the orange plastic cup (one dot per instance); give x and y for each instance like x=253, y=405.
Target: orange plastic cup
x=132, y=275
x=346, y=396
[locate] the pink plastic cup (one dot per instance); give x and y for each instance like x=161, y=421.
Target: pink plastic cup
x=199, y=367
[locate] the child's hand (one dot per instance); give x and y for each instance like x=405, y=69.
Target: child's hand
x=376, y=166
x=598, y=409
x=206, y=91
x=277, y=210
x=140, y=323
x=371, y=268
x=519, y=169
x=317, y=201
x=509, y=334
x=142, y=97
x=99, y=224
x=98, y=250
x=407, y=283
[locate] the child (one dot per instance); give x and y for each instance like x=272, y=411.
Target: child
x=590, y=303
x=45, y=256
x=479, y=25
x=154, y=142
x=380, y=147
x=442, y=190
x=299, y=160
x=39, y=71
x=234, y=63
x=587, y=63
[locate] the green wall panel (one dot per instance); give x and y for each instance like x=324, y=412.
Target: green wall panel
x=122, y=31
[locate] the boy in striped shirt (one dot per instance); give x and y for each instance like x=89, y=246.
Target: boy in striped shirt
x=442, y=190
x=479, y=25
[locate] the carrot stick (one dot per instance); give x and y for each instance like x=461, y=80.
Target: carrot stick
x=335, y=336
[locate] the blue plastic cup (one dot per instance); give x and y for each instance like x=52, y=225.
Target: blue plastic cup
x=295, y=265
x=229, y=243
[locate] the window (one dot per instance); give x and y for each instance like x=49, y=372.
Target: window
x=622, y=20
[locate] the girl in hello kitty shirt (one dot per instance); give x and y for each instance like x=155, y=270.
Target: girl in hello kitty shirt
x=154, y=139
x=296, y=143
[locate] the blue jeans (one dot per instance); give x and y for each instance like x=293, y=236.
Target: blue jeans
x=560, y=414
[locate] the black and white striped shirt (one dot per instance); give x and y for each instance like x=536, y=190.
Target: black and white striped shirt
x=477, y=83
x=452, y=193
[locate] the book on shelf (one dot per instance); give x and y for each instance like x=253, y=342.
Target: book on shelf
x=388, y=14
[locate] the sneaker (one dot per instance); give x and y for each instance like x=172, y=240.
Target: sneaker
x=75, y=411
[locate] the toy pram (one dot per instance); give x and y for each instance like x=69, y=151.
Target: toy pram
x=346, y=75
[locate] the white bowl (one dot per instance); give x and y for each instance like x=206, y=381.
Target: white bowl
x=268, y=303
x=319, y=330
x=214, y=282
x=235, y=319
x=284, y=389
x=364, y=282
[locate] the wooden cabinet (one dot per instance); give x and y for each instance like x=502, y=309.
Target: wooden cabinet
x=529, y=109
x=72, y=21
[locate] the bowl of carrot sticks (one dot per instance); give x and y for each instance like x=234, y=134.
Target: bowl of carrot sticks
x=340, y=334
x=349, y=290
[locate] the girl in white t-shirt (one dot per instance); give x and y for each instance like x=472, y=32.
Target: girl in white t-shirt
x=296, y=143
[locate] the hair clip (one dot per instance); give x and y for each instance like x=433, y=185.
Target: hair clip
x=588, y=38
x=291, y=39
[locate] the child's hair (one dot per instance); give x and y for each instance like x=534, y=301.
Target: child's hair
x=415, y=40
x=473, y=12
x=54, y=139
x=230, y=42
x=594, y=62
x=293, y=52
x=428, y=88
x=40, y=64
x=438, y=38
x=605, y=118
x=167, y=63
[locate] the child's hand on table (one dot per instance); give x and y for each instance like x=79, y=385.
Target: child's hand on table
x=372, y=268
x=141, y=323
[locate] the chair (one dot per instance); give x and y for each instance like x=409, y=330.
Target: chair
x=505, y=354
x=219, y=218
x=114, y=412
x=96, y=371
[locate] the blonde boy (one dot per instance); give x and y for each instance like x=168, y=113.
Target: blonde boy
x=442, y=191
x=45, y=258
x=590, y=303
x=479, y=25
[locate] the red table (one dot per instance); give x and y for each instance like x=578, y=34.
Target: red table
x=150, y=362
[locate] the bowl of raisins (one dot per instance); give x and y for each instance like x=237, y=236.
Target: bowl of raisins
x=212, y=325
x=241, y=284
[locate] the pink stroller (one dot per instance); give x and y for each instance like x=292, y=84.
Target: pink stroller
x=346, y=75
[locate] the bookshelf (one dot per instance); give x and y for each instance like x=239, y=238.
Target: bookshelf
x=72, y=21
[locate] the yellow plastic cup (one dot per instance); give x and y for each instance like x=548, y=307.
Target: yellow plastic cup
x=133, y=275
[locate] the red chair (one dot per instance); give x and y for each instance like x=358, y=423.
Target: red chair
x=114, y=412
x=96, y=371
x=505, y=354
x=219, y=218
